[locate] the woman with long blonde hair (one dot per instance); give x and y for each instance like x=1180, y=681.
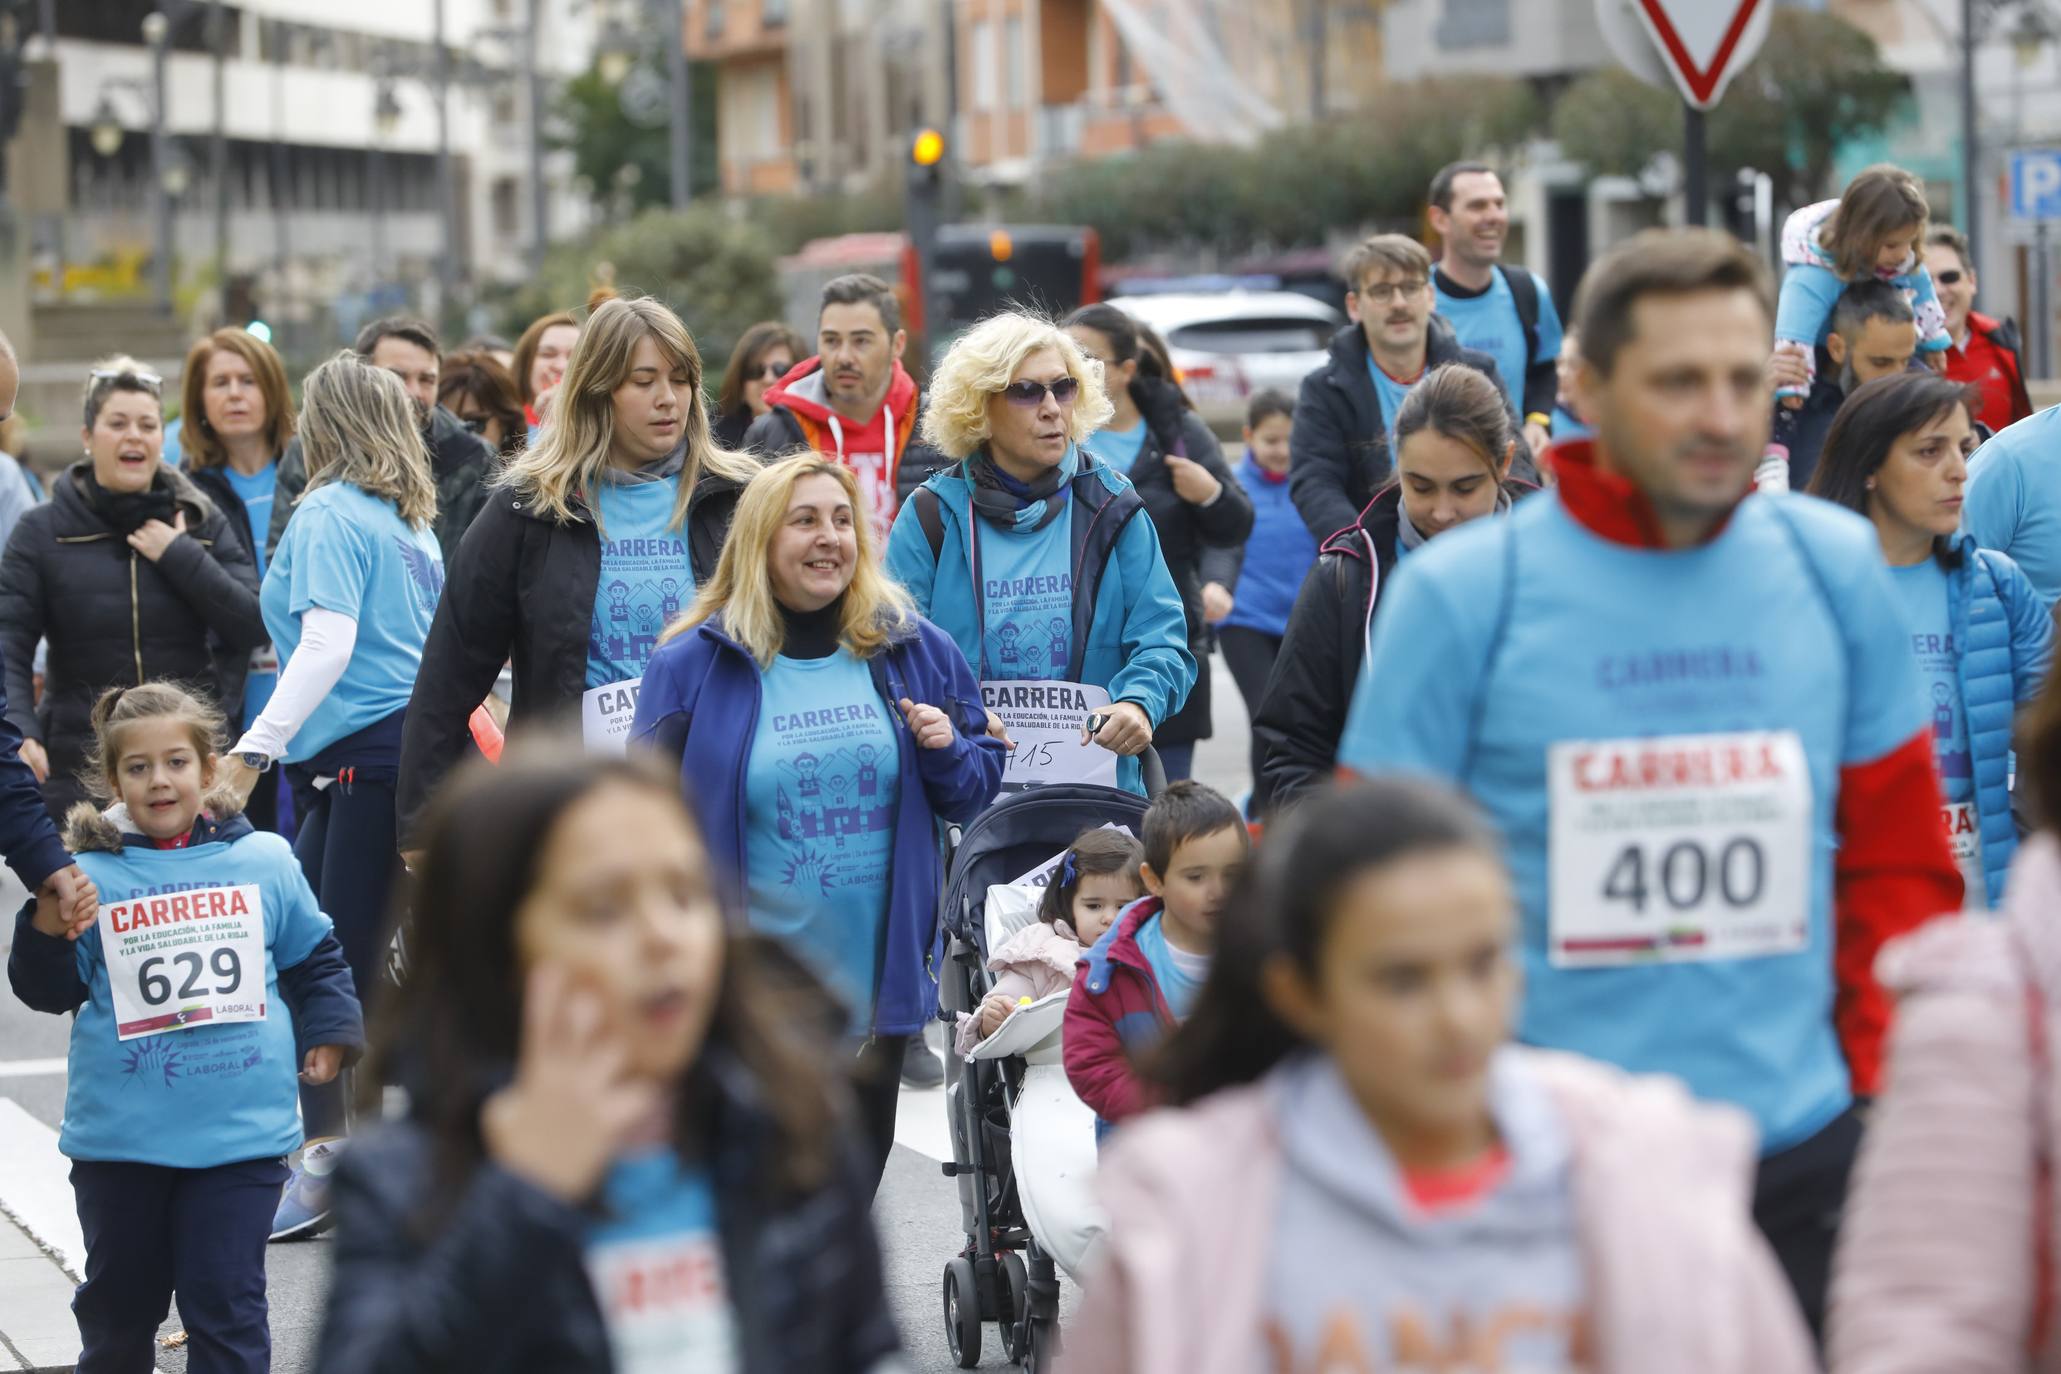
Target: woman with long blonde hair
x=821, y=728
x=348, y=600
x=595, y=537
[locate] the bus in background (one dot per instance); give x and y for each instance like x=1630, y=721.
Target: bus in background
x=979, y=269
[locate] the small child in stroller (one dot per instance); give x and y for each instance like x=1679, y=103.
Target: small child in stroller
x=1097, y=879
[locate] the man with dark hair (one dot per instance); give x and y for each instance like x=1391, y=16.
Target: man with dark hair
x=1693, y=714
x=459, y=460
x=1341, y=449
x=1506, y=312
x=1874, y=333
x=853, y=401
x=1985, y=350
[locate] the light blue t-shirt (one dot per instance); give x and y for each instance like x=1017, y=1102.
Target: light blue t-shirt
x=1504, y=638
x=255, y=491
x=349, y=552
x=2014, y=502
x=655, y=1261
x=207, y=1094
x=1118, y=447
x=1489, y=322
x=1922, y=594
x=646, y=579
x=1027, y=590
x=1179, y=975
x=1391, y=393
x=821, y=789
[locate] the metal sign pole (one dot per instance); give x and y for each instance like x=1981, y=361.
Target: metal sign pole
x=2043, y=315
x=1695, y=167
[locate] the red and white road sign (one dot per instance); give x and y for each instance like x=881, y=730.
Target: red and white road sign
x=1703, y=43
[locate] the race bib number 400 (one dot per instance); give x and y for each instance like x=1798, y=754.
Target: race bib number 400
x=1680, y=848
x=1044, y=720
x=183, y=959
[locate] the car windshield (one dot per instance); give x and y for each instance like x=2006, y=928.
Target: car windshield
x=1263, y=334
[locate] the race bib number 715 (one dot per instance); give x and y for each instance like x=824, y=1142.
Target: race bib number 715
x=1678, y=848
x=183, y=959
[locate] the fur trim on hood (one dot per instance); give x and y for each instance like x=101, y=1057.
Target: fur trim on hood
x=89, y=830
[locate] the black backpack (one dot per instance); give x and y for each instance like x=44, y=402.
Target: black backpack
x=1100, y=517
x=1524, y=291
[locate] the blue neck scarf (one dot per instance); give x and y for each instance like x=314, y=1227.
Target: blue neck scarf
x=1021, y=507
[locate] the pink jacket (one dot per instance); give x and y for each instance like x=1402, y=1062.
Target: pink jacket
x=1035, y=962
x=1938, y=1257
x=1680, y=1279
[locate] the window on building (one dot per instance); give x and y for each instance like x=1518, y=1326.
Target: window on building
x=507, y=207
x=1013, y=60
x=986, y=77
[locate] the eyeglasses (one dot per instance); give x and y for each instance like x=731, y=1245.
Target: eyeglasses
x=1030, y=394
x=476, y=423
x=1950, y=277
x=150, y=381
x=1381, y=293
x=772, y=369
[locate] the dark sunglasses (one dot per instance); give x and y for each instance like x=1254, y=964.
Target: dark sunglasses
x=1950, y=277
x=773, y=370
x=476, y=423
x=1030, y=394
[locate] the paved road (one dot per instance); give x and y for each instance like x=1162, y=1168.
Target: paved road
x=917, y=1210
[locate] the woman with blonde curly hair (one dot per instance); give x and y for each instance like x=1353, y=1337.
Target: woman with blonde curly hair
x=597, y=537
x=348, y=600
x=1029, y=552
x=822, y=728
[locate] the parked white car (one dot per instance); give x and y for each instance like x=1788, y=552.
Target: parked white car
x=1228, y=345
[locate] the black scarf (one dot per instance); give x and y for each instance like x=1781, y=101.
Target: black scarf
x=129, y=511
x=1008, y=502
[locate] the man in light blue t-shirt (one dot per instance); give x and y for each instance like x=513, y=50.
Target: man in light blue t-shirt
x=2014, y=504
x=1506, y=312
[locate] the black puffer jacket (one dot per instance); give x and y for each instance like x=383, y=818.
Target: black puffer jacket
x=460, y=463
x=522, y=593
x=1302, y=714
x=502, y=1287
x=114, y=617
x=1339, y=454
x=1186, y=531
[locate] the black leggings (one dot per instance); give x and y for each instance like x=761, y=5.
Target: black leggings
x=877, y=1084
x=346, y=846
x=1798, y=1195
x=1250, y=655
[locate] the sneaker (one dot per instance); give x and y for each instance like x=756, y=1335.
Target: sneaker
x=921, y=1068
x=304, y=1203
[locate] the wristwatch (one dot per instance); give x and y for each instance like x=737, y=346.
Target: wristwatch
x=254, y=761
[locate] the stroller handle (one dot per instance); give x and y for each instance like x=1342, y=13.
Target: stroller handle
x=1155, y=772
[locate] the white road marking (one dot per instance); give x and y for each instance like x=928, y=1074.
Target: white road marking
x=36, y=1189
x=920, y=1123
x=31, y=1068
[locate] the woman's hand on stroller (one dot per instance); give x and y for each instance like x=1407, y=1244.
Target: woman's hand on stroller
x=931, y=727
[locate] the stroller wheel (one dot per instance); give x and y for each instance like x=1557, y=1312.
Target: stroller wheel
x=962, y=1312
x=1016, y=1340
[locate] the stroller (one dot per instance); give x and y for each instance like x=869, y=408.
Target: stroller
x=1006, y=1274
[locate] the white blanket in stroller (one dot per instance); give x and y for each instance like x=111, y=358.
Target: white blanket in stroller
x=1052, y=1144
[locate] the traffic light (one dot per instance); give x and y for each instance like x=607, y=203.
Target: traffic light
x=923, y=204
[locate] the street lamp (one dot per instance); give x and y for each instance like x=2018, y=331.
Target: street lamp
x=386, y=112
x=614, y=52
x=107, y=131
x=177, y=177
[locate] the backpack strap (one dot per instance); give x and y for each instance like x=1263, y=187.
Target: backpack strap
x=930, y=515
x=1100, y=517
x=1524, y=292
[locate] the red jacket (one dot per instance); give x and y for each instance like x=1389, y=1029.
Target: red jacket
x=875, y=451
x=1989, y=360
x=1114, y=1014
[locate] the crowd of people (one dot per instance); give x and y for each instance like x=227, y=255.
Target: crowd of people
x=1582, y=984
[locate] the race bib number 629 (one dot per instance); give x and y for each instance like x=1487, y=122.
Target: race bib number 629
x=182, y=959
x=1678, y=848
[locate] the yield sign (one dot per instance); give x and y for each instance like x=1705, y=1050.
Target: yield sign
x=1705, y=41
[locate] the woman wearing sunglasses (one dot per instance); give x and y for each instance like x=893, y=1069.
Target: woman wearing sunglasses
x=476, y=388
x=130, y=572
x=1029, y=553
x=767, y=352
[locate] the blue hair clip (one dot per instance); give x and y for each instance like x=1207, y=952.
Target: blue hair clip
x=1069, y=871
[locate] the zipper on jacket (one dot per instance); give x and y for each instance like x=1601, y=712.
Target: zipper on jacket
x=135, y=619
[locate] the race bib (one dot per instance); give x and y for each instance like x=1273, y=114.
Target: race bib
x=1964, y=833
x=185, y=959
x=1683, y=848
x=606, y=714
x=665, y=1306
x=1045, y=720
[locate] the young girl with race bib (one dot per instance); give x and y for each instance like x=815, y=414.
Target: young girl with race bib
x=1096, y=880
x=1364, y=1173
x=623, y=1149
x=207, y=980
x=1876, y=229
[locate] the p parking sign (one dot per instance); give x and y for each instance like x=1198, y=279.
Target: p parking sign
x=2036, y=184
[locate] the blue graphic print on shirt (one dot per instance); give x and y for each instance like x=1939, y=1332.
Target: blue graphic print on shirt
x=821, y=790
x=1922, y=597
x=1027, y=590
x=646, y=578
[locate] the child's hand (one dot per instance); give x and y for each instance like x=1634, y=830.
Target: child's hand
x=994, y=1010
x=322, y=1065
x=1216, y=602
x=66, y=904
